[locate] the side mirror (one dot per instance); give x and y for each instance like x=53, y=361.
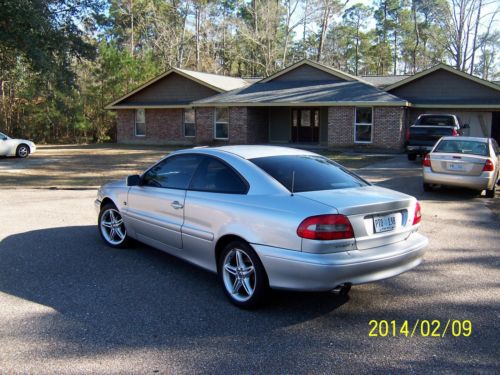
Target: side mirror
x=134, y=180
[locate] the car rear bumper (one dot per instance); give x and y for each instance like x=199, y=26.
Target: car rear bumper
x=295, y=270
x=485, y=180
x=419, y=149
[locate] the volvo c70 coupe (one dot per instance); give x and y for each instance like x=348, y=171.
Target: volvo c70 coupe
x=265, y=217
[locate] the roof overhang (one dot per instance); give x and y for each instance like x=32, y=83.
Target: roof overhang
x=457, y=106
x=448, y=69
x=304, y=104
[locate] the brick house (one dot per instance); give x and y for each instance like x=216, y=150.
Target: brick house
x=305, y=103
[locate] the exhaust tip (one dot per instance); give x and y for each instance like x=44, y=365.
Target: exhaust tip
x=342, y=289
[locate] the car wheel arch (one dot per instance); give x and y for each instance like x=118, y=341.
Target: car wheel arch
x=222, y=242
x=107, y=200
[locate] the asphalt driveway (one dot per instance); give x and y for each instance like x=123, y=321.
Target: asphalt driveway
x=70, y=304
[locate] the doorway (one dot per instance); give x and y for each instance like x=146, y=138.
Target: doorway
x=495, y=126
x=305, y=125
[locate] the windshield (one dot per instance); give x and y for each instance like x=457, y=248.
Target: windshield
x=2, y=136
x=462, y=147
x=435, y=120
x=308, y=173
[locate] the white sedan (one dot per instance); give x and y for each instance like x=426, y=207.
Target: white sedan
x=15, y=147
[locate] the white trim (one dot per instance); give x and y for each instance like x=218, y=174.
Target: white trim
x=135, y=123
x=221, y=122
x=363, y=124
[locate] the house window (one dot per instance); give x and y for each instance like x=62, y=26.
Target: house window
x=189, y=123
x=221, y=123
x=140, y=122
x=363, y=125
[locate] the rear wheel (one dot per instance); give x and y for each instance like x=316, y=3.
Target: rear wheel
x=490, y=193
x=242, y=275
x=22, y=151
x=412, y=157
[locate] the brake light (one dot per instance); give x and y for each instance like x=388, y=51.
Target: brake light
x=418, y=214
x=326, y=227
x=427, y=161
x=407, y=135
x=488, y=166
x=454, y=133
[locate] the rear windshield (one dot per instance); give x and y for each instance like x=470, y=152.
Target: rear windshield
x=462, y=147
x=431, y=131
x=308, y=173
x=435, y=120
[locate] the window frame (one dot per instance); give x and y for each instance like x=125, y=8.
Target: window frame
x=206, y=158
x=221, y=122
x=356, y=124
x=184, y=122
x=166, y=159
x=135, y=122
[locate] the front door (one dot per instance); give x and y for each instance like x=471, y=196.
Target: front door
x=305, y=125
x=156, y=208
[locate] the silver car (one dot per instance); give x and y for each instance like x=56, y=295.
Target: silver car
x=468, y=162
x=263, y=216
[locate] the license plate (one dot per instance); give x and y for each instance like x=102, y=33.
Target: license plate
x=384, y=223
x=455, y=167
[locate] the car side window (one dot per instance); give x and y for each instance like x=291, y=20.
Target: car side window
x=174, y=172
x=215, y=176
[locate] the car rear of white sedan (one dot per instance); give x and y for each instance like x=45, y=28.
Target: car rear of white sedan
x=468, y=162
x=263, y=216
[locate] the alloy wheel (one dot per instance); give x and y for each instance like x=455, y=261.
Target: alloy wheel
x=239, y=275
x=112, y=227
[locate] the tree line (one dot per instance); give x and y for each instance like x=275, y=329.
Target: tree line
x=62, y=61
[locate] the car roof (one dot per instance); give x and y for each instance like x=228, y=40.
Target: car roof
x=255, y=151
x=465, y=138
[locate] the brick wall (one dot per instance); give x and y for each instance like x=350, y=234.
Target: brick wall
x=258, y=125
x=238, y=131
x=205, y=126
x=163, y=126
x=340, y=126
x=388, y=127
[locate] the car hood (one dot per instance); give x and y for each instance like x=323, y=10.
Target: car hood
x=366, y=199
x=115, y=184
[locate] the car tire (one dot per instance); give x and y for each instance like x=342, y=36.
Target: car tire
x=22, y=151
x=111, y=227
x=412, y=157
x=427, y=187
x=490, y=193
x=242, y=275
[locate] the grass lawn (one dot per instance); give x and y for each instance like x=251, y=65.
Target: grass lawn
x=89, y=166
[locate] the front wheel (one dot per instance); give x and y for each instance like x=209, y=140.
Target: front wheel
x=22, y=151
x=111, y=227
x=242, y=275
x=490, y=193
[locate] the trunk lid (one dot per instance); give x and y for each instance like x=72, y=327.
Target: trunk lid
x=378, y=216
x=457, y=163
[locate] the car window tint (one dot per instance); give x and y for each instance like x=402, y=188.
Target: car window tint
x=463, y=147
x=174, y=172
x=215, y=176
x=435, y=120
x=308, y=173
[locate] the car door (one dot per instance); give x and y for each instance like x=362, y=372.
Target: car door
x=214, y=199
x=4, y=144
x=156, y=207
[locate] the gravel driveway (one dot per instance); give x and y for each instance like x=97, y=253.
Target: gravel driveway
x=69, y=304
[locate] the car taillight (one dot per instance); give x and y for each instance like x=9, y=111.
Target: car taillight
x=488, y=166
x=407, y=135
x=454, y=133
x=418, y=214
x=326, y=227
x=427, y=161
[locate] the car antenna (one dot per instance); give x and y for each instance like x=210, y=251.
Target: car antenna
x=293, y=181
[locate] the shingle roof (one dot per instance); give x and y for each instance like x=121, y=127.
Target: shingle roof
x=318, y=92
x=224, y=83
x=383, y=81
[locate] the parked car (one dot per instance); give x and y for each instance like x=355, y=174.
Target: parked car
x=263, y=216
x=427, y=130
x=15, y=147
x=468, y=162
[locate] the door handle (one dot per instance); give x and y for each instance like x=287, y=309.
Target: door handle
x=176, y=205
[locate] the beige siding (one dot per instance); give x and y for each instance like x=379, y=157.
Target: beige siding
x=172, y=89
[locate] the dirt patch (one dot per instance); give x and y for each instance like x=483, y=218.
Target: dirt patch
x=80, y=166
